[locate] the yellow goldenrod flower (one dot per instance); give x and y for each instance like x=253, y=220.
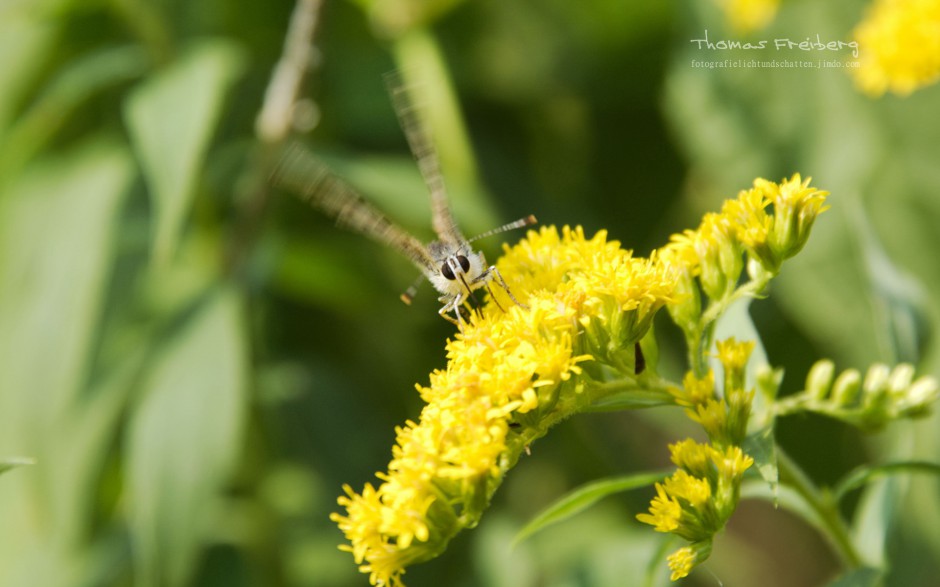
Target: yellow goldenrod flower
x=680, y=254
x=695, y=391
x=682, y=561
x=691, y=456
x=746, y=16
x=733, y=356
x=691, y=489
x=665, y=511
x=697, y=500
x=719, y=255
x=899, y=46
x=586, y=300
x=771, y=239
x=712, y=416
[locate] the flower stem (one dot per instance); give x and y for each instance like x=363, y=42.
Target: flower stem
x=819, y=501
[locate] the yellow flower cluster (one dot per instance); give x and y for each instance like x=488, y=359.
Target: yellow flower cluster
x=697, y=500
x=770, y=221
x=510, y=376
x=747, y=16
x=899, y=46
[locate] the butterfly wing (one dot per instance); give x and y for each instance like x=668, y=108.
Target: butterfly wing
x=419, y=140
x=303, y=173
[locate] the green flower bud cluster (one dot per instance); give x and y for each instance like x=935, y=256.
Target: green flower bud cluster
x=882, y=396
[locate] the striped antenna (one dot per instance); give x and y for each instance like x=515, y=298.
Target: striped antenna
x=409, y=294
x=522, y=222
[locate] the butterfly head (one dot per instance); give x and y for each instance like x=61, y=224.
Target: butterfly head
x=459, y=269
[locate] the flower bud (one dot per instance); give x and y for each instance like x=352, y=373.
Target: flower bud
x=900, y=379
x=819, y=379
x=846, y=388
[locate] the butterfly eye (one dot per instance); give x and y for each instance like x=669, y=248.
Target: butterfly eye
x=464, y=263
x=447, y=272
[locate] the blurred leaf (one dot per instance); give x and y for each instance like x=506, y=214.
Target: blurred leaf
x=72, y=85
x=584, y=497
x=324, y=274
x=183, y=440
x=864, y=577
x=25, y=44
x=761, y=447
x=898, y=298
x=786, y=497
x=736, y=322
x=866, y=474
x=631, y=399
x=57, y=243
x=13, y=462
x=171, y=118
x=874, y=517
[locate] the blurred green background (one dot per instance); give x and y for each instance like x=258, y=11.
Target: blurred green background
x=197, y=364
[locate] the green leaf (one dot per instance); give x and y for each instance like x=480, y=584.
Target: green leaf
x=874, y=517
x=184, y=437
x=57, y=247
x=13, y=462
x=72, y=86
x=26, y=40
x=866, y=474
x=864, y=577
x=785, y=497
x=631, y=399
x=584, y=497
x=171, y=118
x=736, y=322
x=898, y=298
x=761, y=447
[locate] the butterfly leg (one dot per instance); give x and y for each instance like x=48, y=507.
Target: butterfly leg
x=494, y=272
x=452, y=304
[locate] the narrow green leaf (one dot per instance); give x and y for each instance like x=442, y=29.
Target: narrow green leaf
x=26, y=39
x=866, y=474
x=864, y=577
x=584, y=497
x=785, y=497
x=13, y=462
x=632, y=399
x=171, y=118
x=74, y=85
x=736, y=322
x=761, y=447
x=656, y=568
x=877, y=511
x=56, y=246
x=184, y=437
x=899, y=299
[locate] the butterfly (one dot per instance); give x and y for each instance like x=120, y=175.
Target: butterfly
x=450, y=263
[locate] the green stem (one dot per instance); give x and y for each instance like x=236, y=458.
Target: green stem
x=824, y=507
x=700, y=341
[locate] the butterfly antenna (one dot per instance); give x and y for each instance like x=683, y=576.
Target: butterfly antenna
x=522, y=222
x=409, y=294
